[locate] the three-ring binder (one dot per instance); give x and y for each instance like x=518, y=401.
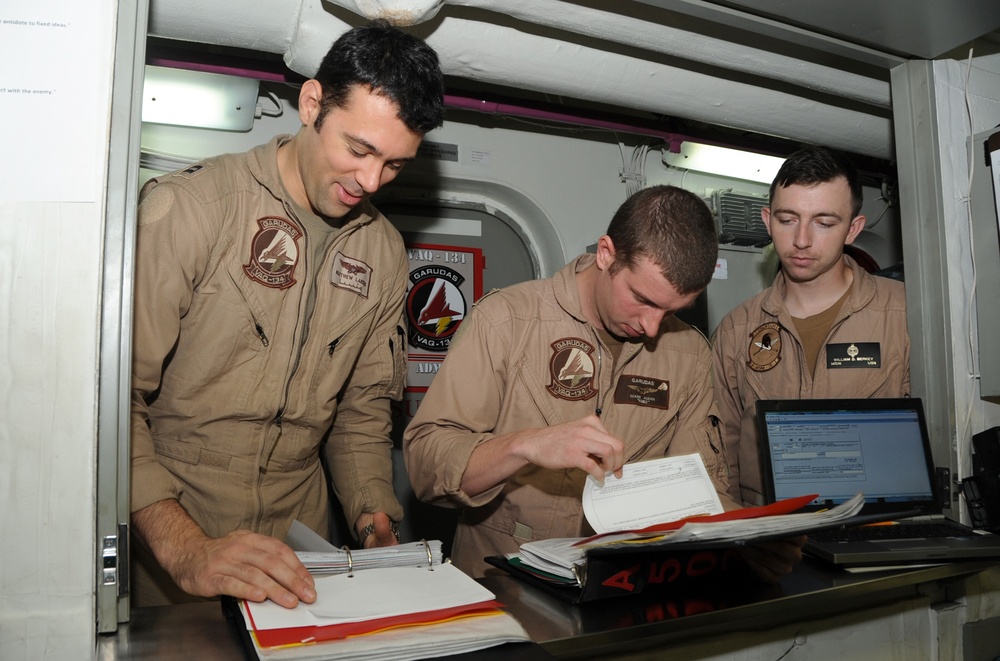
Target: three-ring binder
x=430, y=556
x=350, y=561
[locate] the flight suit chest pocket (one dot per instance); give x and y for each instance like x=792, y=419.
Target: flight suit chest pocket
x=398, y=357
x=369, y=354
x=713, y=450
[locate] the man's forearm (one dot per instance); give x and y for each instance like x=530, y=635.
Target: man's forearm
x=491, y=463
x=165, y=527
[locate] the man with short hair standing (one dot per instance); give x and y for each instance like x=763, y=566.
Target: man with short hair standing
x=577, y=374
x=826, y=328
x=269, y=331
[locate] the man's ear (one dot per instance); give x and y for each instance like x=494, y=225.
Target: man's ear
x=765, y=215
x=310, y=101
x=605, y=252
x=857, y=224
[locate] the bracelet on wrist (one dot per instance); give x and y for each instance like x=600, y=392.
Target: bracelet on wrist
x=369, y=530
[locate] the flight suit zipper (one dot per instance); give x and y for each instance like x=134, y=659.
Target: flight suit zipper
x=308, y=287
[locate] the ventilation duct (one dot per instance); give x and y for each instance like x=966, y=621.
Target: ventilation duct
x=738, y=217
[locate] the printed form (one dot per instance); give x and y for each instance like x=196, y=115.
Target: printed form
x=650, y=492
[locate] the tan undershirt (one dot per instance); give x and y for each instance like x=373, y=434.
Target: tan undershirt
x=813, y=330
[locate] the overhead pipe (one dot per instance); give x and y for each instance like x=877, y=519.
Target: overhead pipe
x=667, y=40
x=505, y=56
x=672, y=140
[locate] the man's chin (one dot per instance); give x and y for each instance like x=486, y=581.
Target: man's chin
x=800, y=276
x=336, y=213
x=628, y=338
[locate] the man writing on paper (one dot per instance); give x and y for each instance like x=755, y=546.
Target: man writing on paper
x=798, y=338
x=269, y=330
x=554, y=379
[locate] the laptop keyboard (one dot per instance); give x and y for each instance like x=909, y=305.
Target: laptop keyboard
x=900, y=531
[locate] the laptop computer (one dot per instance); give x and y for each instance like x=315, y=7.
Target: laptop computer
x=836, y=448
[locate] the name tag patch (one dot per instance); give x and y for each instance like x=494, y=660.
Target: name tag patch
x=853, y=354
x=351, y=274
x=642, y=391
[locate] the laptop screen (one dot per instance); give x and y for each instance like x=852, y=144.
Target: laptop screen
x=836, y=448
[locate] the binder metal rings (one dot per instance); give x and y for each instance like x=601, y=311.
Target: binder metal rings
x=350, y=561
x=430, y=556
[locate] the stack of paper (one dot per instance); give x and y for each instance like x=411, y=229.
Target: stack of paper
x=384, y=613
x=739, y=526
x=564, y=559
x=340, y=561
x=559, y=556
x=321, y=557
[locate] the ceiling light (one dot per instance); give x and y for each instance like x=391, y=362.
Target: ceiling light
x=724, y=162
x=198, y=98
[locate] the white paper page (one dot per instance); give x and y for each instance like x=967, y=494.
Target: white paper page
x=302, y=538
x=556, y=556
x=650, y=492
x=767, y=525
x=425, y=642
x=52, y=84
x=375, y=593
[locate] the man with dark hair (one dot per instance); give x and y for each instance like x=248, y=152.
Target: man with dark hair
x=685, y=252
x=269, y=331
x=826, y=328
x=554, y=379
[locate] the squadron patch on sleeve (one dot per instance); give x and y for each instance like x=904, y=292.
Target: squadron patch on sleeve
x=274, y=252
x=764, y=350
x=572, y=369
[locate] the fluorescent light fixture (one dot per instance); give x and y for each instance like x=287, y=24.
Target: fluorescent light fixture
x=724, y=162
x=198, y=98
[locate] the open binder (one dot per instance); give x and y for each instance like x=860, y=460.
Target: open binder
x=697, y=550
x=320, y=557
x=399, y=602
x=631, y=573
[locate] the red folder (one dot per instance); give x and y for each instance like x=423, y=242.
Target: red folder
x=786, y=506
x=314, y=634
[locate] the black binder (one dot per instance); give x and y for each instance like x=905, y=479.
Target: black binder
x=612, y=573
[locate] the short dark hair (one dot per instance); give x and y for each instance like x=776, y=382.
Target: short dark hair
x=815, y=165
x=672, y=227
x=390, y=62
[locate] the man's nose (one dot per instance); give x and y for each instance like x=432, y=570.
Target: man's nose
x=652, y=321
x=803, y=236
x=369, y=177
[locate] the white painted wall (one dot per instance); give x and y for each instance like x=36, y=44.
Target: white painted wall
x=50, y=271
x=968, y=102
x=956, y=121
